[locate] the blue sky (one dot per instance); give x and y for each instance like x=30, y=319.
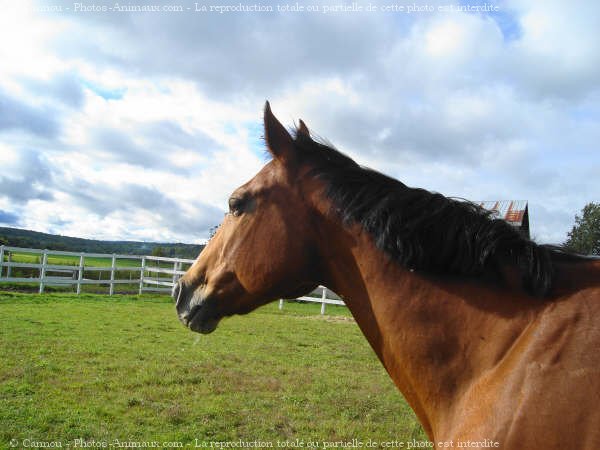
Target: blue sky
x=139, y=125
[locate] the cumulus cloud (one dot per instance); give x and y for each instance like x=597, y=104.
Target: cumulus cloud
x=65, y=88
x=558, y=54
x=17, y=115
x=159, y=145
x=227, y=55
x=29, y=177
x=134, y=199
x=8, y=218
x=157, y=116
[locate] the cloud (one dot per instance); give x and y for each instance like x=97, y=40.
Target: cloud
x=558, y=54
x=16, y=115
x=146, y=122
x=134, y=199
x=29, y=177
x=170, y=133
x=152, y=145
x=65, y=88
x=226, y=54
x=121, y=146
x=8, y=218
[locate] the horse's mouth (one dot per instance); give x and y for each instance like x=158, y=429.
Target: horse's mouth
x=201, y=319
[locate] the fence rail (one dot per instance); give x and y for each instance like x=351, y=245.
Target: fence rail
x=77, y=269
x=151, y=274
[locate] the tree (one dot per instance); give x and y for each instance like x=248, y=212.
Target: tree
x=585, y=235
x=158, y=251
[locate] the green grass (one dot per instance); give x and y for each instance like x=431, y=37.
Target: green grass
x=122, y=367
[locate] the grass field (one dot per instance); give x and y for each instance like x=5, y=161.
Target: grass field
x=104, y=368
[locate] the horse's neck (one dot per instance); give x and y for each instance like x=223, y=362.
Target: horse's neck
x=575, y=275
x=434, y=336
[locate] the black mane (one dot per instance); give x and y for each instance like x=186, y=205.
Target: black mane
x=422, y=230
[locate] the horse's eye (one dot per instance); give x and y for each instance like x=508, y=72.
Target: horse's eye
x=236, y=206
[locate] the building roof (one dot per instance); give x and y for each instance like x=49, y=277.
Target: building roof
x=513, y=211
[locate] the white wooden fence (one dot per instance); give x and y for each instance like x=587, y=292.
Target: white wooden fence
x=323, y=299
x=146, y=273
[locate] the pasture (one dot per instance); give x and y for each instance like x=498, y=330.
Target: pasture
x=103, y=368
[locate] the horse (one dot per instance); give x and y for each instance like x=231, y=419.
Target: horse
x=493, y=340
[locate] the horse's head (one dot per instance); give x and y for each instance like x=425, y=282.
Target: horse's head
x=265, y=247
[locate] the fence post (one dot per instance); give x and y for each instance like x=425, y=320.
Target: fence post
x=1, y=259
x=176, y=267
x=280, y=303
x=323, y=298
x=9, y=267
x=80, y=275
x=142, y=274
x=111, y=289
x=43, y=270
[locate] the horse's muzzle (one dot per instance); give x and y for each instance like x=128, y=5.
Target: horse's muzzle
x=195, y=311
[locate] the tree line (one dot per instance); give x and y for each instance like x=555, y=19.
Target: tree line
x=33, y=239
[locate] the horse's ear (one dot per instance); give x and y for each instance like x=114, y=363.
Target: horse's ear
x=279, y=141
x=303, y=129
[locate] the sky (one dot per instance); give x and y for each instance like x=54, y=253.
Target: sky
x=131, y=125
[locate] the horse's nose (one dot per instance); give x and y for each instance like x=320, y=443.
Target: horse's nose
x=176, y=293
x=180, y=295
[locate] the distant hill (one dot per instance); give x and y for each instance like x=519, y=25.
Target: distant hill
x=32, y=239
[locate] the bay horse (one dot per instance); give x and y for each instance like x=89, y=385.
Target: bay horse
x=493, y=340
